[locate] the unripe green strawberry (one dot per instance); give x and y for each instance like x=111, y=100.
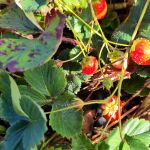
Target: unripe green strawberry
x=100, y=8
x=140, y=51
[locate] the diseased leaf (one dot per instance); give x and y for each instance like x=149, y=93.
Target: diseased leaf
x=68, y=123
x=47, y=79
x=21, y=54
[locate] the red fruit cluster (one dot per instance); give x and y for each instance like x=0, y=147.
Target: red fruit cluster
x=100, y=9
x=140, y=51
x=89, y=65
x=110, y=109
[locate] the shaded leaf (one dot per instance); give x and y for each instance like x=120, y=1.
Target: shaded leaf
x=47, y=79
x=67, y=122
x=131, y=85
x=144, y=72
x=2, y=129
x=11, y=93
x=124, y=32
x=25, y=134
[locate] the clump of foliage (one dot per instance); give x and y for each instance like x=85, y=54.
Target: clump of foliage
x=73, y=77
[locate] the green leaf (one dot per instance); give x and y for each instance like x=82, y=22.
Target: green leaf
x=131, y=85
x=47, y=79
x=81, y=142
x=124, y=32
x=107, y=83
x=14, y=18
x=135, y=131
x=25, y=134
x=125, y=146
x=7, y=112
x=73, y=84
x=31, y=93
x=9, y=89
x=71, y=4
x=79, y=28
x=135, y=144
x=144, y=137
x=136, y=127
x=68, y=54
x=29, y=6
x=82, y=77
x=112, y=142
x=31, y=17
x=68, y=123
x=22, y=54
x=71, y=53
x=2, y=129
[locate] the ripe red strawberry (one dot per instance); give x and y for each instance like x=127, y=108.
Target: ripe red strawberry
x=100, y=8
x=140, y=51
x=89, y=65
x=110, y=109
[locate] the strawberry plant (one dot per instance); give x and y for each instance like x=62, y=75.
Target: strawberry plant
x=74, y=75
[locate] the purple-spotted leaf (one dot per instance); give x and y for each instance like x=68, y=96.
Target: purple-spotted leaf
x=21, y=54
